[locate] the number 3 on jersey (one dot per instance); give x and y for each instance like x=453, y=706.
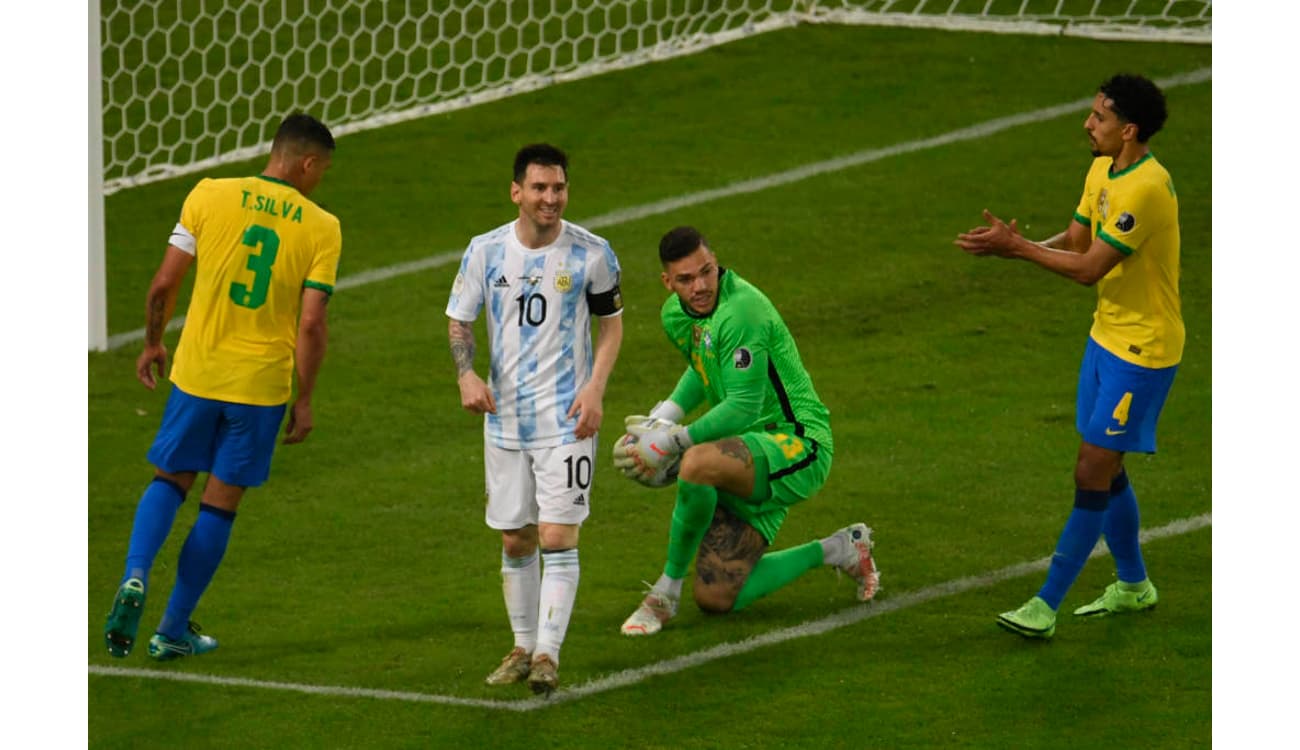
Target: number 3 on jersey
x=260, y=264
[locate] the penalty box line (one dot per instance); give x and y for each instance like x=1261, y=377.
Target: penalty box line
x=629, y=677
x=757, y=184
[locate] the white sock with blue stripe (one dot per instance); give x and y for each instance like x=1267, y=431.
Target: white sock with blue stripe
x=559, y=590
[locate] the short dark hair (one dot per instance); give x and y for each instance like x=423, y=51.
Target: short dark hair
x=680, y=242
x=1137, y=100
x=543, y=154
x=303, y=132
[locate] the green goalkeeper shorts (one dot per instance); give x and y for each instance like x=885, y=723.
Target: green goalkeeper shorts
x=787, y=469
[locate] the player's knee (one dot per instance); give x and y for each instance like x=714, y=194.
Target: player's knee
x=1096, y=467
x=557, y=536
x=698, y=466
x=714, y=600
x=519, y=542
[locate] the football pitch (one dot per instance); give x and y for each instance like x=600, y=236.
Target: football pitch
x=359, y=603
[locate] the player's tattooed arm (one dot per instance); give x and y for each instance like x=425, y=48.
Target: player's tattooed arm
x=156, y=315
x=461, y=335
x=475, y=395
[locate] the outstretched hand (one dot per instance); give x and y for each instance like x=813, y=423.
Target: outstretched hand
x=998, y=238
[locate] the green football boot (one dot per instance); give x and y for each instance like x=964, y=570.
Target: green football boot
x=192, y=643
x=1117, y=600
x=1034, y=619
x=124, y=618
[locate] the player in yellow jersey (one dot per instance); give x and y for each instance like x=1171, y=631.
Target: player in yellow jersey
x=1124, y=239
x=265, y=259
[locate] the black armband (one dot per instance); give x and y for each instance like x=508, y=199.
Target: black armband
x=605, y=303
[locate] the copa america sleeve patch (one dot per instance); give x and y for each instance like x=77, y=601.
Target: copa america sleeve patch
x=742, y=358
x=1125, y=222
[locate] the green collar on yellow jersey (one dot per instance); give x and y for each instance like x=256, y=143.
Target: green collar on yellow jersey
x=276, y=180
x=1129, y=168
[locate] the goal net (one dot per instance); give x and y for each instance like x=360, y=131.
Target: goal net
x=190, y=84
x=184, y=85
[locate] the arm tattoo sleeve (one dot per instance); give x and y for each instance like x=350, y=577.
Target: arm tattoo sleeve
x=462, y=346
x=156, y=319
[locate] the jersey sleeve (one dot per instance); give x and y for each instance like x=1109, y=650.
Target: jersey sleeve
x=743, y=341
x=604, y=298
x=324, y=270
x=1134, y=218
x=466, y=300
x=193, y=212
x=689, y=392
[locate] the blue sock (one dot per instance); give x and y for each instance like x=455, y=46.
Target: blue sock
x=1082, y=530
x=154, y=516
x=1121, y=529
x=200, y=556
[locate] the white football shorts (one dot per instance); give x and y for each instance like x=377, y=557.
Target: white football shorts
x=547, y=485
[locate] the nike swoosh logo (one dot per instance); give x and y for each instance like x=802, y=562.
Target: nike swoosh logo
x=1109, y=431
x=1144, y=597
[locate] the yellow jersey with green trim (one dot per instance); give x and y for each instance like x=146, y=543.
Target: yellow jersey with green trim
x=257, y=243
x=1139, y=314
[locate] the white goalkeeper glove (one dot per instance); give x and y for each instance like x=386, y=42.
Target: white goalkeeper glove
x=633, y=467
x=665, y=411
x=658, y=442
x=631, y=461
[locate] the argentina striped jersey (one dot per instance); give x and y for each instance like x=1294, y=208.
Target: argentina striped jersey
x=539, y=305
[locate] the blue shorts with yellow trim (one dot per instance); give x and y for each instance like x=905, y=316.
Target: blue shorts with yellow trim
x=233, y=442
x=1118, y=402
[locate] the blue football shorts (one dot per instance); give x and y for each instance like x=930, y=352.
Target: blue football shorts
x=233, y=442
x=1118, y=402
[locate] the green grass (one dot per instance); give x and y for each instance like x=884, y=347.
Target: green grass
x=364, y=562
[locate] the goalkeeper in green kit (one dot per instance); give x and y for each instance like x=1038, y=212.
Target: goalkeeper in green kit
x=763, y=445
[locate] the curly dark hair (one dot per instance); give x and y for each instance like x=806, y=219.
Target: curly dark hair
x=1137, y=100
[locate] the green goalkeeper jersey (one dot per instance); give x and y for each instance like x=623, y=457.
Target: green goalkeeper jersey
x=743, y=360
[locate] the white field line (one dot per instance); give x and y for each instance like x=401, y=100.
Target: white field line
x=843, y=618
x=974, y=132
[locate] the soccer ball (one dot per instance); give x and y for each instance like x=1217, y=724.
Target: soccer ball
x=661, y=477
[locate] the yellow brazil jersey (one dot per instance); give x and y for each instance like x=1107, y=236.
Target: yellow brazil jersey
x=1139, y=313
x=258, y=243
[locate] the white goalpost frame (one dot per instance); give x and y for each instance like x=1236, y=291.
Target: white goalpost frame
x=680, y=31
x=98, y=298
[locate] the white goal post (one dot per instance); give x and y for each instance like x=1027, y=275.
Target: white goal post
x=179, y=86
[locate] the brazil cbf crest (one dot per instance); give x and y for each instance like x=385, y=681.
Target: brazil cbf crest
x=701, y=338
x=563, y=281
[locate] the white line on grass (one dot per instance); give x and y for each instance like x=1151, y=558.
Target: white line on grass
x=981, y=130
x=629, y=677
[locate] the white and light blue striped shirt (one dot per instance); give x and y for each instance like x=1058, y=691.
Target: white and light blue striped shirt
x=539, y=326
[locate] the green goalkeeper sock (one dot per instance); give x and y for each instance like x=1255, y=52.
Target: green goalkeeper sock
x=691, y=518
x=776, y=569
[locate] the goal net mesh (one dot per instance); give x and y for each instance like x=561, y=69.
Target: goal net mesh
x=188, y=84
